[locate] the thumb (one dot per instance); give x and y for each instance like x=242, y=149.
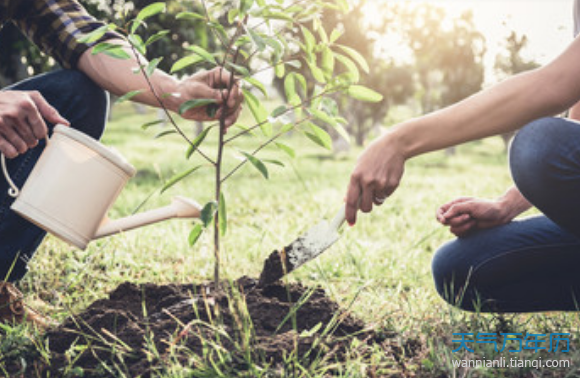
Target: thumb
x=47, y=111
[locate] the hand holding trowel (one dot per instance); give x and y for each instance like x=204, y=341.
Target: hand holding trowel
x=305, y=248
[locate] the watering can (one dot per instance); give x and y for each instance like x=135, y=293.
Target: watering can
x=74, y=184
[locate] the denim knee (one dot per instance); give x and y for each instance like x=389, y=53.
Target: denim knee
x=91, y=104
x=545, y=166
x=448, y=273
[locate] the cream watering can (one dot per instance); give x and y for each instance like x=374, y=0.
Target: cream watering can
x=74, y=184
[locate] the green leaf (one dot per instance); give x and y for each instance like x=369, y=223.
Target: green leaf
x=356, y=56
x=257, y=84
x=155, y=37
x=257, y=163
x=327, y=63
x=222, y=215
x=287, y=127
x=196, y=142
x=279, y=70
x=152, y=66
x=138, y=43
x=245, y=5
x=295, y=64
x=309, y=39
x=195, y=233
x=334, y=35
x=290, y=86
x=275, y=162
x=152, y=123
x=342, y=132
x=239, y=69
x=232, y=14
x=279, y=111
x=258, y=111
x=151, y=10
x=316, y=73
x=196, y=103
x=302, y=81
x=319, y=136
x=287, y=149
x=111, y=49
x=127, y=96
x=350, y=67
x=203, y=53
x=163, y=133
x=257, y=40
x=322, y=116
x=323, y=35
x=178, y=177
x=186, y=62
x=363, y=93
x=189, y=16
x=207, y=213
x=97, y=34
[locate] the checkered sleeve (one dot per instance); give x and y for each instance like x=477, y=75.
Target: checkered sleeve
x=56, y=27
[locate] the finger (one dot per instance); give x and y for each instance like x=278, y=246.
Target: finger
x=15, y=140
x=464, y=229
x=221, y=77
x=455, y=210
x=447, y=205
x=231, y=119
x=352, y=200
x=459, y=220
x=24, y=130
x=366, y=199
x=7, y=148
x=47, y=111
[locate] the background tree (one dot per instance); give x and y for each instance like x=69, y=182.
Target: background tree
x=511, y=62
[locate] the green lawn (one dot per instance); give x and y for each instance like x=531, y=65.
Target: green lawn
x=383, y=262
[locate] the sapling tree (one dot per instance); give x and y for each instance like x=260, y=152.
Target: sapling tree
x=256, y=37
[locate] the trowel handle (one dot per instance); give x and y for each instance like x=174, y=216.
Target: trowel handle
x=14, y=191
x=339, y=218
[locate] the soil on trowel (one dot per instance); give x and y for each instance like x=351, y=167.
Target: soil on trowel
x=140, y=329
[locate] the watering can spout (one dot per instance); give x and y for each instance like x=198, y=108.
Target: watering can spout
x=181, y=207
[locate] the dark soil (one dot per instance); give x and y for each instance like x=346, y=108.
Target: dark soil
x=235, y=328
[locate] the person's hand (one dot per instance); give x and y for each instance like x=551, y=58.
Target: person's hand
x=464, y=215
x=212, y=85
x=376, y=175
x=22, y=121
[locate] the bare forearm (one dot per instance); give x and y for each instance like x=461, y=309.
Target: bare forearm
x=118, y=77
x=502, y=108
x=513, y=203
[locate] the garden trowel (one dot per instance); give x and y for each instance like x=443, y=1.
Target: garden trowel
x=315, y=241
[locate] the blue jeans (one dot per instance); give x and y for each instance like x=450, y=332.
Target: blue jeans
x=85, y=106
x=531, y=264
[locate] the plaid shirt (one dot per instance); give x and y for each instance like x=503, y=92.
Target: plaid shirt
x=53, y=25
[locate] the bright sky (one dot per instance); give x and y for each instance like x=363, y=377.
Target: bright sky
x=547, y=23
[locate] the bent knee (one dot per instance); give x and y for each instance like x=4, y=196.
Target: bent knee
x=451, y=275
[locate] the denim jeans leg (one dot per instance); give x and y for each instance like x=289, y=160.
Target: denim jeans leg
x=531, y=264
x=85, y=106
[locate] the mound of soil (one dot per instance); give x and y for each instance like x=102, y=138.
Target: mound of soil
x=140, y=329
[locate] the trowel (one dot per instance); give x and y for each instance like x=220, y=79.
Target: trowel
x=308, y=246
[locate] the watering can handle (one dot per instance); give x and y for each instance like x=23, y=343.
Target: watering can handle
x=13, y=191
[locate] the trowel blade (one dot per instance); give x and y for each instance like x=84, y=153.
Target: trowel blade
x=315, y=241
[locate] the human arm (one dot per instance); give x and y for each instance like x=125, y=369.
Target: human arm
x=501, y=108
x=118, y=77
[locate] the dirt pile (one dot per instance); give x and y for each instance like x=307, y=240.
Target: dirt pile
x=140, y=330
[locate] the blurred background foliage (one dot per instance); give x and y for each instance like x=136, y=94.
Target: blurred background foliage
x=444, y=62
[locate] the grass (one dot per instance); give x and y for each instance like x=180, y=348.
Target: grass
x=382, y=265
